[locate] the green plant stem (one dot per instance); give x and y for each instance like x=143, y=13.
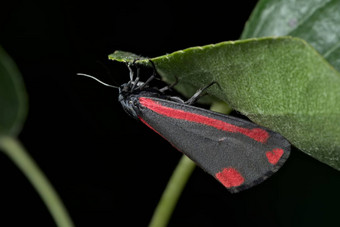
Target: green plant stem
x=172, y=192
x=17, y=153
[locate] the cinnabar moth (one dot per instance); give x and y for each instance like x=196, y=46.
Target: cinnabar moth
x=238, y=153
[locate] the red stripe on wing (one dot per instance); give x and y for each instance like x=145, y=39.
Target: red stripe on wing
x=257, y=134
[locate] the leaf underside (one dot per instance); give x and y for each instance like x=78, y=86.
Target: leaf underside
x=280, y=83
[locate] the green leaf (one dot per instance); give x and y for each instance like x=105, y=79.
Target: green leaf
x=13, y=99
x=123, y=56
x=315, y=21
x=281, y=83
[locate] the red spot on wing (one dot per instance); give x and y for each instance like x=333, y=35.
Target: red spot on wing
x=230, y=177
x=274, y=155
x=257, y=134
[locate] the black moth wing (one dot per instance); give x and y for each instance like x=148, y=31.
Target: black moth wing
x=232, y=157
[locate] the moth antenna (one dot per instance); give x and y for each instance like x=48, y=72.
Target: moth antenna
x=99, y=81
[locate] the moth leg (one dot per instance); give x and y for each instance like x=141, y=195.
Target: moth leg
x=169, y=87
x=153, y=76
x=198, y=94
x=176, y=99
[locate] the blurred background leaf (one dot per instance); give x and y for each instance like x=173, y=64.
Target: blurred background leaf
x=316, y=21
x=13, y=98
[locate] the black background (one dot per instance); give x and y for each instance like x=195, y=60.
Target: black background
x=109, y=169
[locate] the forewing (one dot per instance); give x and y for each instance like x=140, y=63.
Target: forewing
x=238, y=153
